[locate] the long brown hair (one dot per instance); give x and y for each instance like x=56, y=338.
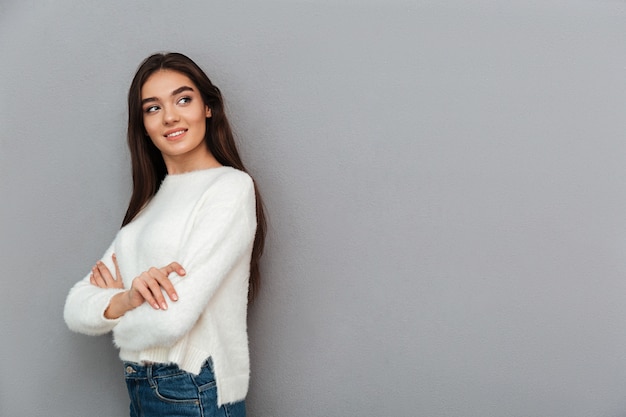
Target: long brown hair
x=147, y=162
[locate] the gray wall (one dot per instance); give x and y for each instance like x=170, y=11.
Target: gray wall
x=446, y=185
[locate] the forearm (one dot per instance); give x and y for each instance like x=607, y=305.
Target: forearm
x=146, y=327
x=118, y=306
x=85, y=306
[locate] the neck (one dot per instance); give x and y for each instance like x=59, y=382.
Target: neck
x=183, y=163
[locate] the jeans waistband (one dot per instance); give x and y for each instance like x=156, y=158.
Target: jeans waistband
x=133, y=370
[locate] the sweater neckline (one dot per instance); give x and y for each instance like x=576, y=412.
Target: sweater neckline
x=195, y=172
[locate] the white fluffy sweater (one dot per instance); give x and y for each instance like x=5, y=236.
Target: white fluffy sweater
x=206, y=221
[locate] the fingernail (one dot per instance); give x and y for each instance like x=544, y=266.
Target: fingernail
x=156, y=306
x=174, y=297
x=164, y=306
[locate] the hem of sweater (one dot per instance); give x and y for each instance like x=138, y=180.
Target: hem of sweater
x=230, y=389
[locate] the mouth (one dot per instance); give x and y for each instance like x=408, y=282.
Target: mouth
x=174, y=134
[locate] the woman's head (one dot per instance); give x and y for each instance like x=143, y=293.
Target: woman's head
x=218, y=138
x=148, y=166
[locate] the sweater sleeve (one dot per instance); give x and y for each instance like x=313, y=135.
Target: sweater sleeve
x=221, y=237
x=86, y=303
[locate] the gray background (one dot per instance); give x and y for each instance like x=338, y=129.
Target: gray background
x=445, y=182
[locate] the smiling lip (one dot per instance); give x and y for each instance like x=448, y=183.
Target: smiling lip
x=175, y=134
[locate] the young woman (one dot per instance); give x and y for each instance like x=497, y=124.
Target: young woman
x=173, y=287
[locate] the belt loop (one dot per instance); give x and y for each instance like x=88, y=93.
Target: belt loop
x=149, y=371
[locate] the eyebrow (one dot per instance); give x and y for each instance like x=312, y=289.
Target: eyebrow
x=175, y=92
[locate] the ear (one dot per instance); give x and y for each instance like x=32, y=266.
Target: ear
x=207, y=111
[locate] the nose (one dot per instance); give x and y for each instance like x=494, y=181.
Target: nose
x=170, y=115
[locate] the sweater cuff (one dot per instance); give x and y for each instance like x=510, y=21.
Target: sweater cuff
x=88, y=317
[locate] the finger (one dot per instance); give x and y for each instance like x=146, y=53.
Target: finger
x=98, y=278
x=118, y=274
x=156, y=277
x=167, y=284
x=169, y=288
x=174, y=267
x=105, y=273
x=141, y=286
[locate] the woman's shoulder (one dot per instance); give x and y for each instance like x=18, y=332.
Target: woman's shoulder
x=232, y=174
x=227, y=182
x=231, y=178
x=227, y=186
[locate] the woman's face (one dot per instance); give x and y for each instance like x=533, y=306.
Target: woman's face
x=174, y=116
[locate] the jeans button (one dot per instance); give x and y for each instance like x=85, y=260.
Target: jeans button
x=130, y=370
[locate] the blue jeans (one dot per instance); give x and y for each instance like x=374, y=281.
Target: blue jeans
x=166, y=390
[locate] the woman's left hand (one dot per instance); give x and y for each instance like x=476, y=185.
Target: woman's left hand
x=102, y=277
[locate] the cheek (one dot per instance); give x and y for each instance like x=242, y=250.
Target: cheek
x=200, y=123
x=150, y=128
x=200, y=118
x=202, y=128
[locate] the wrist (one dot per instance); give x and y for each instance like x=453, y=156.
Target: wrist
x=118, y=305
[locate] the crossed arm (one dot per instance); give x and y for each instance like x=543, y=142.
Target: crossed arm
x=145, y=288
